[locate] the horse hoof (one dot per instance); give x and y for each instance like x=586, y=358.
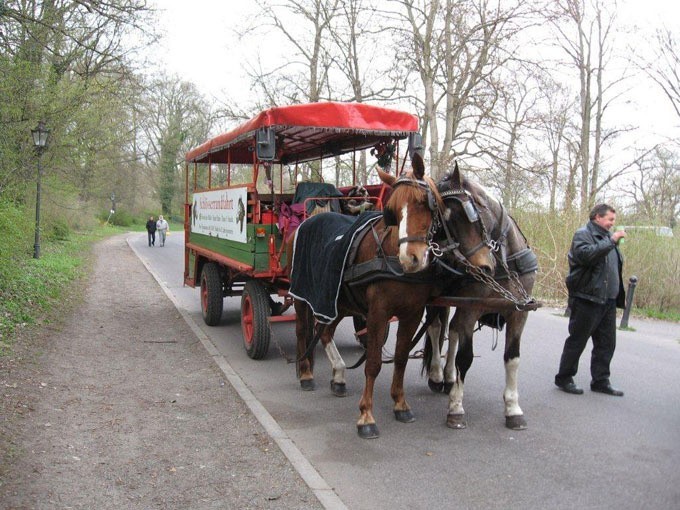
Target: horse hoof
x=404, y=416
x=456, y=421
x=368, y=431
x=339, y=389
x=516, y=422
x=447, y=387
x=307, y=384
x=437, y=387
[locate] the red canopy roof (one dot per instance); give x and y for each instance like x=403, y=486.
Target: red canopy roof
x=309, y=131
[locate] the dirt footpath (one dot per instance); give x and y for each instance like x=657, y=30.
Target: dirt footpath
x=123, y=408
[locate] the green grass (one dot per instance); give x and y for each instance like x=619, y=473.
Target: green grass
x=657, y=314
x=32, y=289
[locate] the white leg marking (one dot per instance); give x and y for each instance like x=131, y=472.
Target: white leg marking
x=449, y=369
x=337, y=363
x=456, y=397
x=511, y=395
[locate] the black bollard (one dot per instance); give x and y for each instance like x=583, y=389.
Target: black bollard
x=632, y=282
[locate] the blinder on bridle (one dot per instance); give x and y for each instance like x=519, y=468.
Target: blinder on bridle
x=467, y=203
x=464, y=198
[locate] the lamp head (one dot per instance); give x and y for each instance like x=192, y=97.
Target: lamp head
x=40, y=135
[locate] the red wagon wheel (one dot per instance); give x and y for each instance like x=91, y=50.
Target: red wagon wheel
x=212, y=298
x=255, y=311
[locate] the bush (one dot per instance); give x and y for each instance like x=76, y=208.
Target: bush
x=120, y=218
x=654, y=260
x=15, y=232
x=656, y=263
x=59, y=230
x=550, y=238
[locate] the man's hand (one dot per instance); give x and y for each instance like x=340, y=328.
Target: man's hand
x=618, y=235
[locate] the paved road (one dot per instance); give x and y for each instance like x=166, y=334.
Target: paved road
x=589, y=451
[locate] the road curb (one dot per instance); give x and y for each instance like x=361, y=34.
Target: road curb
x=323, y=492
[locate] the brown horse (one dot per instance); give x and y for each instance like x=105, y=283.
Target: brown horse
x=404, y=231
x=505, y=295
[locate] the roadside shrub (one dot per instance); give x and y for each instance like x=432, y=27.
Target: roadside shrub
x=59, y=230
x=121, y=218
x=15, y=232
x=550, y=237
x=654, y=260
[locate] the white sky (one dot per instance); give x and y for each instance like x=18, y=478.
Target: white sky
x=200, y=46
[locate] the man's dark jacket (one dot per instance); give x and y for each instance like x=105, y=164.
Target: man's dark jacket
x=151, y=226
x=588, y=269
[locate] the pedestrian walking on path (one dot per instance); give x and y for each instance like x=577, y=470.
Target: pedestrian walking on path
x=162, y=227
x=151, y=230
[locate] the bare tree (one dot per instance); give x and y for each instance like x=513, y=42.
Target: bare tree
x=513, y=119
x=555, y=130
x=457, y=48
x=655, y=188
x=664, y=69
x=585, y=30
x=357, y=46
x=304, y=24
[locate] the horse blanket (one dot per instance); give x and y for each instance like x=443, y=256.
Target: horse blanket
x=320, y=250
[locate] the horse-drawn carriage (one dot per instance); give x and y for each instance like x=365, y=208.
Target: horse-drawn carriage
x=238, y=226
x=243, y=199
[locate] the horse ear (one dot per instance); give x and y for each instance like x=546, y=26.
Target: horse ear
x=456, y=177
x=388, y=179
x=418, y=166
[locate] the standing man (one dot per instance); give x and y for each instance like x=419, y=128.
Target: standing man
x=162, y=227
x=151, y=230
x=595, y=286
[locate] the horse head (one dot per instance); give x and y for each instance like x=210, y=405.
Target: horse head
x=467, y=221
x=410, y=207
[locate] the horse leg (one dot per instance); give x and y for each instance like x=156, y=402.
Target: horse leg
x=460, y=330
x=407, y=328
x=304, y=332
x=450, y=367
x=435, y=337
x=514, y=417
x=366, y=426
x=338, y=383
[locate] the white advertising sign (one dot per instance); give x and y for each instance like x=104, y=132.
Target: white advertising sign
x=220, y=213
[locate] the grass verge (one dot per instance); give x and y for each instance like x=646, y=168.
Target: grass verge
x=33, y=289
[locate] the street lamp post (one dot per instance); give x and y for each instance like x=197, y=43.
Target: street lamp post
x=40, y=136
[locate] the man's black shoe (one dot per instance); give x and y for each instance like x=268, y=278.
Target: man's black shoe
x=569, y=387
x=606, y=389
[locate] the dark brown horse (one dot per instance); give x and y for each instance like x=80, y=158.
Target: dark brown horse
x=505, y=295
x=404, y=231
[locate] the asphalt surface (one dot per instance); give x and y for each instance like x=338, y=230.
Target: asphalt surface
x=588, y=451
